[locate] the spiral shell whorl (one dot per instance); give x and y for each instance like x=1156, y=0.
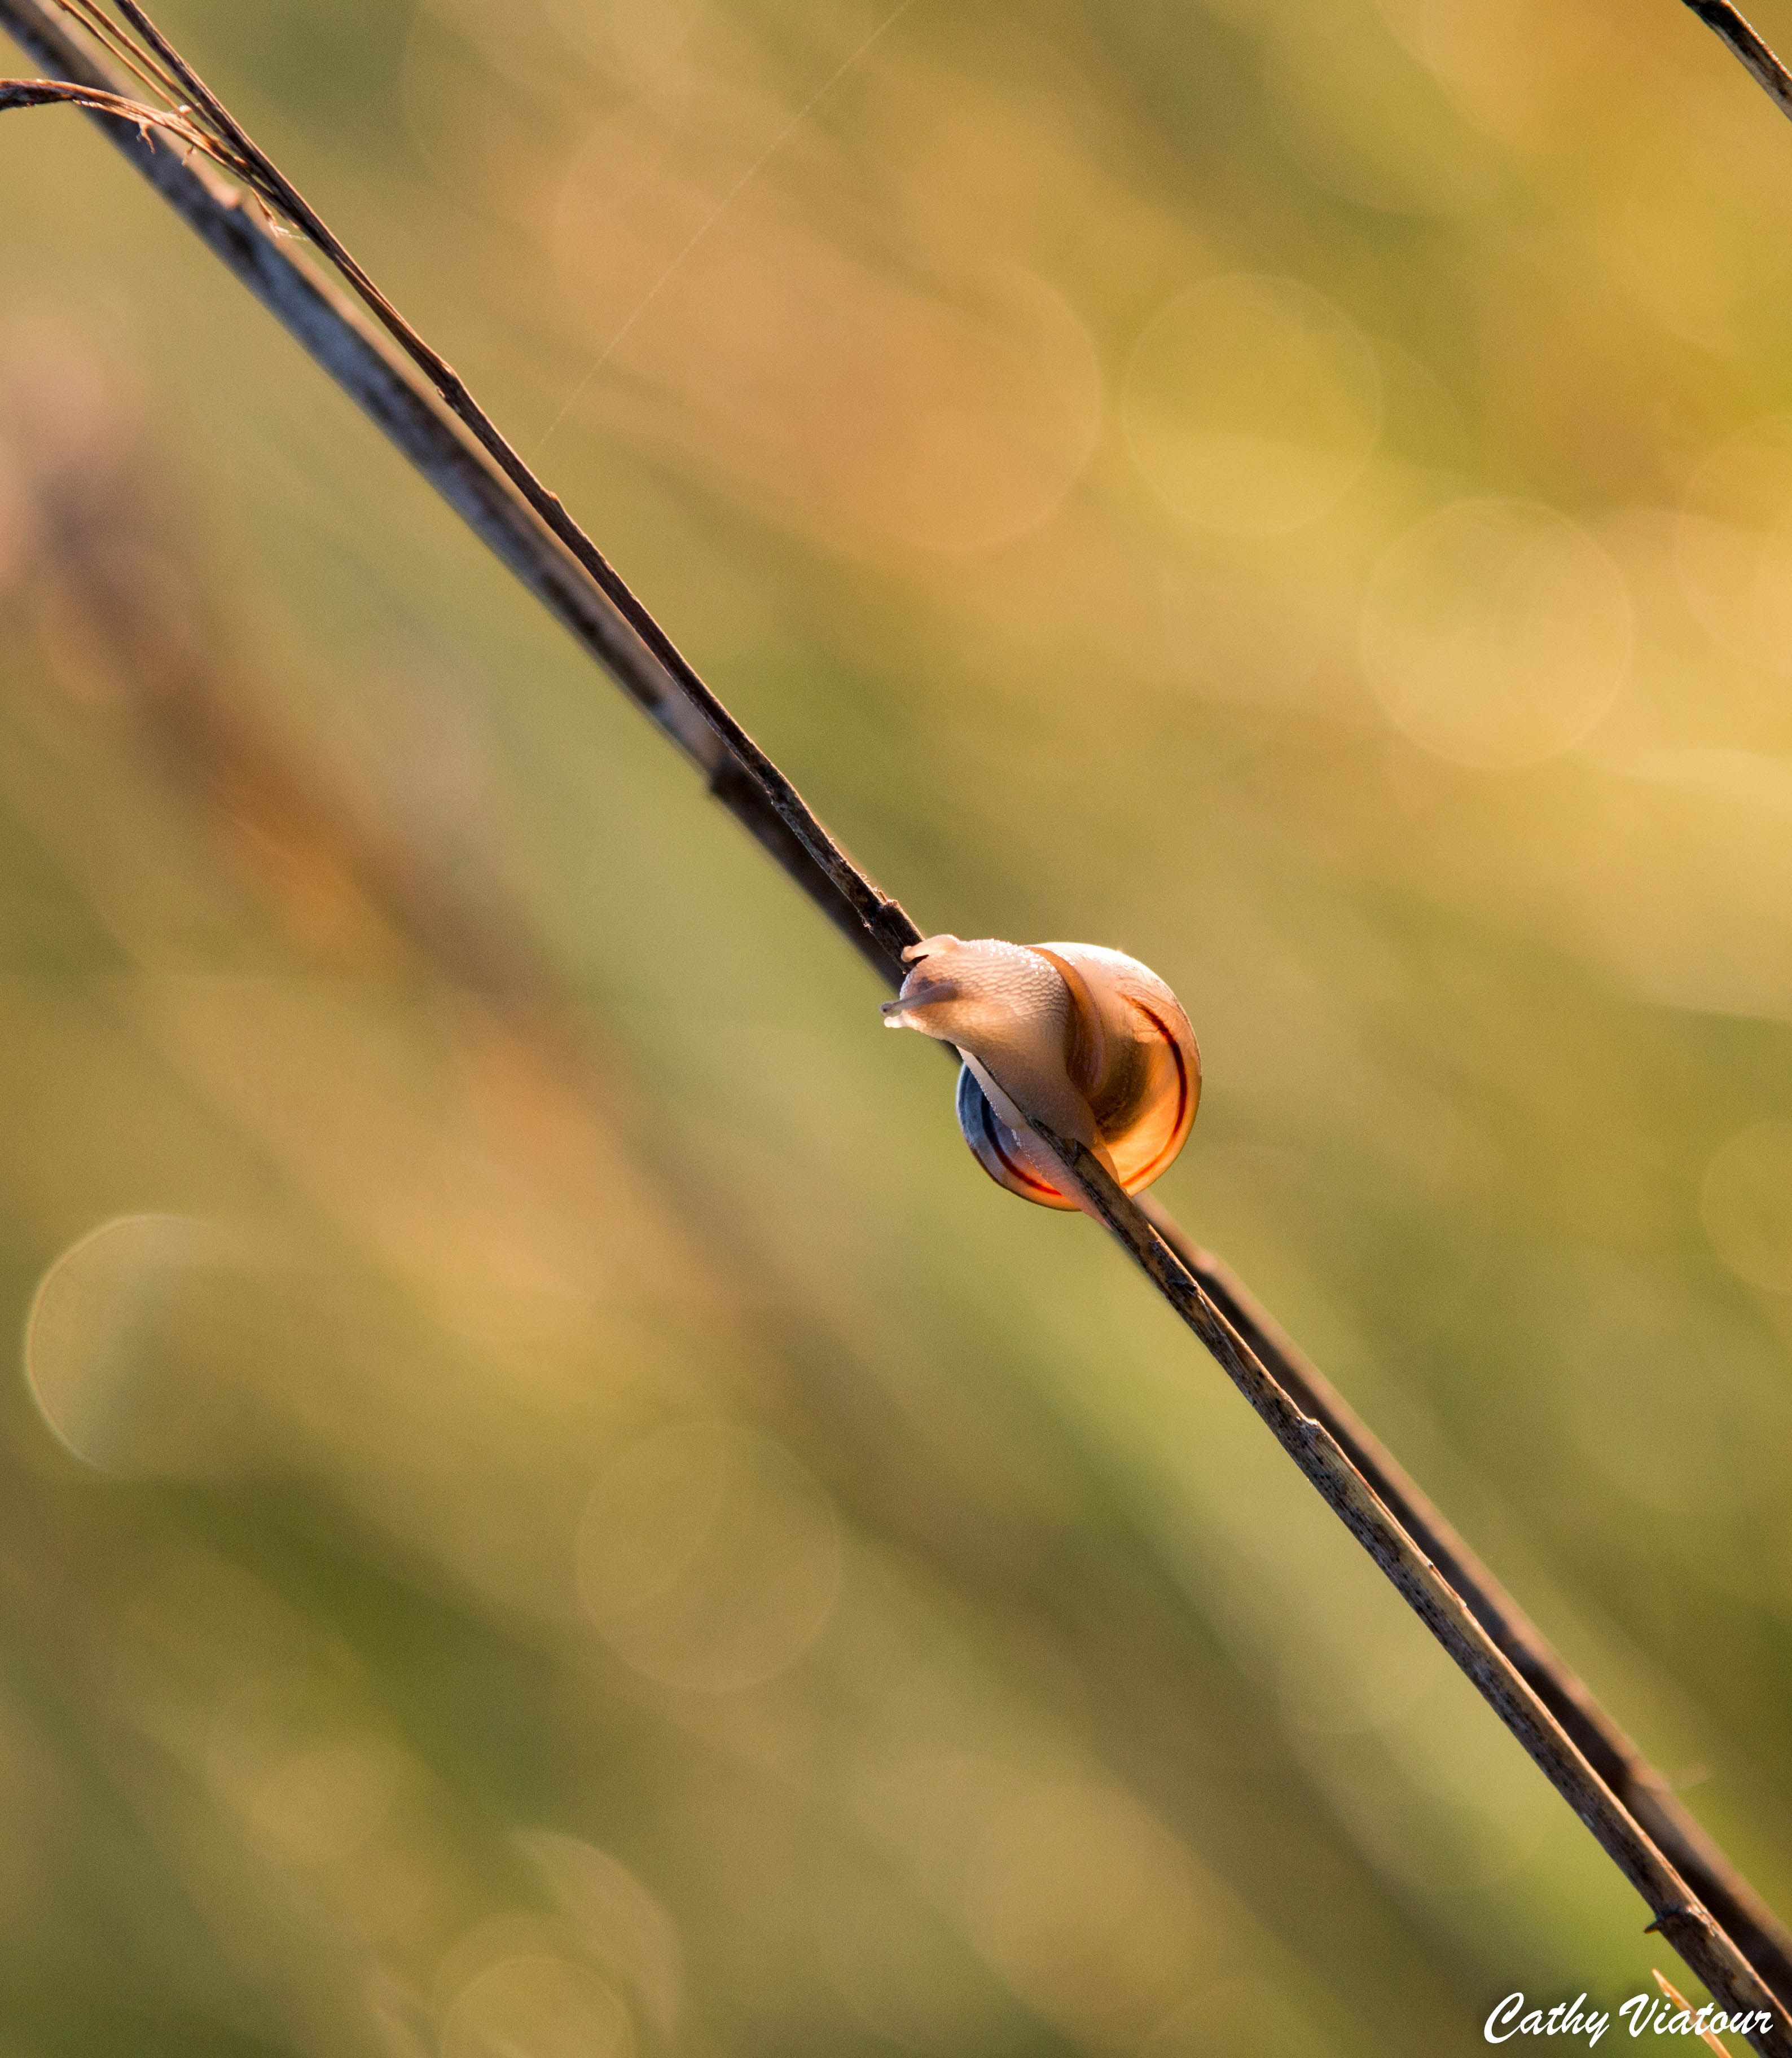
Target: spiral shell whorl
x=1087, y=1039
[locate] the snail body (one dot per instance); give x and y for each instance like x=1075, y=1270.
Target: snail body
x=1088, y=1040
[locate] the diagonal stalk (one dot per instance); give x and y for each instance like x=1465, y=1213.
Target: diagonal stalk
x=1689, y=1927
x=1707, y=1911
x=1729, y=23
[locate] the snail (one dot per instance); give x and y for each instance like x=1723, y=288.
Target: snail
x=1087, y=1039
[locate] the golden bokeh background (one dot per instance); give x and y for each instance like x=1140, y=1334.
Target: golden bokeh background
x=546, y=1510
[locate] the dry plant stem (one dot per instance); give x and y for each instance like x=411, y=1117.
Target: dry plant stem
x=47, y=93
x=1678, y=1913
x=527, y=528
x=872, y=908
x=1768, y=73
x=1754, y=1928
x=481, y=476
x=138, y=63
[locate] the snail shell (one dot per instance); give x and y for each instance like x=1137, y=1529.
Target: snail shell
x=1089, y=1040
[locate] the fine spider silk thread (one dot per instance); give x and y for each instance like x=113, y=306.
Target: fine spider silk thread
x=725, y=204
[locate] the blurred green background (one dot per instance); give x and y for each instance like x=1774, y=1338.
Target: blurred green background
x=548, y=1510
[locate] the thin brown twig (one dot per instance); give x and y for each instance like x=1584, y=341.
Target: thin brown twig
x=1741, y=34
x=873, y=908
x=1678, y=1916
x=482, y=493
x=139, y=62
x=1756, y=1930
x=1484, y=1632
x=21, y=93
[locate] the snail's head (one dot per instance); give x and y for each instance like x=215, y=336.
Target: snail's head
x=983, y=995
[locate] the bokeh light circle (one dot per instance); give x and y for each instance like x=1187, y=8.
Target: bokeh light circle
x=1086, y=1906
x=1746, y=1204
x=709, y=1558
x=1252, y=404
x=1244, y=2018
x=975, y=414
x=1497, y=632
x=536, y=2006
x=1733, y=543
x=90, y=1337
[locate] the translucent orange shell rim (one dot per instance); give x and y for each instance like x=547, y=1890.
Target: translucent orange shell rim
x=991, y=1142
